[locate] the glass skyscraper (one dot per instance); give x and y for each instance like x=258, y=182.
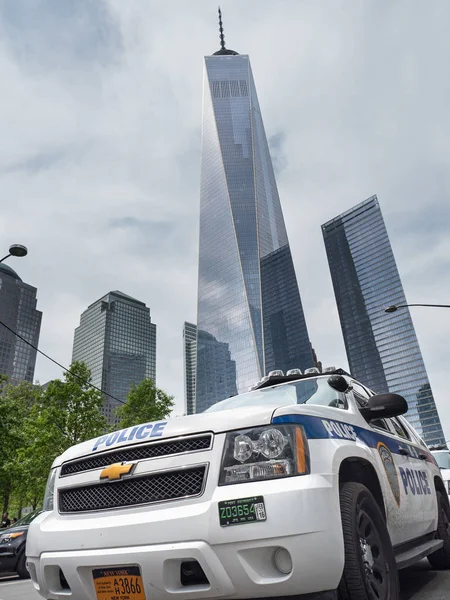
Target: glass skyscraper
x=250, y=315
x=117, y=341
x=189, y=360
x=18, y=312
x=382, y=349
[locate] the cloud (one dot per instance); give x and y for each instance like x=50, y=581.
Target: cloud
x=100, y=125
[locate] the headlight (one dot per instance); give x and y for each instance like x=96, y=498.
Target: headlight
x=8, y=537
x=50, y=491
x=264, y=453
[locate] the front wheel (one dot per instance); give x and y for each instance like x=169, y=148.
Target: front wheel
x=370, y=570
x=21, y=568
x=441, y=558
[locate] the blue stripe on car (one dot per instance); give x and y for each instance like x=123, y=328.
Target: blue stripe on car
x=317, y=428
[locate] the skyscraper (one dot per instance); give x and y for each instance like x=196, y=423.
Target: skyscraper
x=249, y=306
x=18, y=311
x=189, y=360
x=382, y=349
x=117, y=341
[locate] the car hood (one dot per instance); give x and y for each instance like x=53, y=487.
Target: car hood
x=14, y=529
x=208, y=422
x=215, y=422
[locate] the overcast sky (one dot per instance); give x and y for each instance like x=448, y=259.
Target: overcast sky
x=100, y=125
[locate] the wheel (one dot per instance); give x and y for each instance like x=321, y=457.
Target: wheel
x=21, y=568
x=370, y=570
x=441, y=558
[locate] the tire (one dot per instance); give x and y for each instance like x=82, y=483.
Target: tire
x=441, y=558
x=370, y=570
x=21, y=568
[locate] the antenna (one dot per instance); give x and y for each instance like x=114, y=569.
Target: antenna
x=222, y=37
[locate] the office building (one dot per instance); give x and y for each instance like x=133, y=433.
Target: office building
x=250, y=316
x=189, y=361
x=18, y=311
x=382, y=349
x=117, y=340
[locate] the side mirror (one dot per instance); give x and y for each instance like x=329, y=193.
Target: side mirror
x=338, y=383
x=383, y=406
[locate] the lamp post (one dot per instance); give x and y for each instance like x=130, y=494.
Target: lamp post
x=395, y=307
x=16, y=250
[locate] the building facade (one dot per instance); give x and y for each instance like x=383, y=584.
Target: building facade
x=189, y=361
x=382, y=349
x=18, y=311
x=117, y=340
x=250, y=315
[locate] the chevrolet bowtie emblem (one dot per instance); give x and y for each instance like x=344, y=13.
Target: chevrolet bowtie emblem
x=116, y=471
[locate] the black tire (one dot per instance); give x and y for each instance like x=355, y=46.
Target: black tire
x=441, y=558
x=370, y=570
x=21, y=568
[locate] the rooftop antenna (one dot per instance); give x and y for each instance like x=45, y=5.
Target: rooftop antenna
x=223, y=51
x=222, y=37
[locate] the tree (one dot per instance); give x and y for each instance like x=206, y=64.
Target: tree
x=145, y=403
x=16, y=404
x=67, y=413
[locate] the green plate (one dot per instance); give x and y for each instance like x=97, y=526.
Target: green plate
x=241, y=511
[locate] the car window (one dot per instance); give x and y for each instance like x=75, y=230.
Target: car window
x=360, y=390
x=399, y=429
x=415, y=437
x=380, y=424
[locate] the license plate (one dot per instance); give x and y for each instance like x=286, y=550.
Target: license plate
x=243, y=510
x=119, y=583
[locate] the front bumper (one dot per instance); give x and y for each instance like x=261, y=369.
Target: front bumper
x=302, y=517
x=9, y=555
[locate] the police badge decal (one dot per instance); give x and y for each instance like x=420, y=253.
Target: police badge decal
x=391, y=471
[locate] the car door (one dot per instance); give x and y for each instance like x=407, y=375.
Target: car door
x=404, y=508
x=427, y=470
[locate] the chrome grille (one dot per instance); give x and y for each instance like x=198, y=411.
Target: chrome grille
x=153, y=450
x=157, y=487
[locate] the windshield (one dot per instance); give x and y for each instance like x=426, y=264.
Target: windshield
x=442, y=459
x=26, y=520
x=306, y=391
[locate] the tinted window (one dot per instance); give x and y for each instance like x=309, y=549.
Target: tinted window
x=399, y=429
x=415, y=437
x=381, y=424
x=360, y=390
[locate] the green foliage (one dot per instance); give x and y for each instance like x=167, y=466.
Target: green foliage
x=16, y=404
x=145, y=403
x=36, y=426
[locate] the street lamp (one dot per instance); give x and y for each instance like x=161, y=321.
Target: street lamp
x=395, y=307
x=16, y=250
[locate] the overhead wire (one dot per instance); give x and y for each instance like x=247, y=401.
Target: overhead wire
x=60, y=365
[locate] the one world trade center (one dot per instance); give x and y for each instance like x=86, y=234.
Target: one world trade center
x=250, y=316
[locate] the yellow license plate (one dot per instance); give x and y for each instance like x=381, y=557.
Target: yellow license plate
x=119, y=583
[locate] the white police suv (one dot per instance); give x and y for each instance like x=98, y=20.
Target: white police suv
x=307, y=485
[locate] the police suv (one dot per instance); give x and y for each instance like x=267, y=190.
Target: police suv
x=307, y=485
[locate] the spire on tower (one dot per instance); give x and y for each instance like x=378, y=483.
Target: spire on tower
x=222, y=50
x=222, y=37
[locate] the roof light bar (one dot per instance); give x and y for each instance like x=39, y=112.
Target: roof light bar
x=312, y=370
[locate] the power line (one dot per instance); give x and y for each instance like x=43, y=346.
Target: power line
x=60, y=365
